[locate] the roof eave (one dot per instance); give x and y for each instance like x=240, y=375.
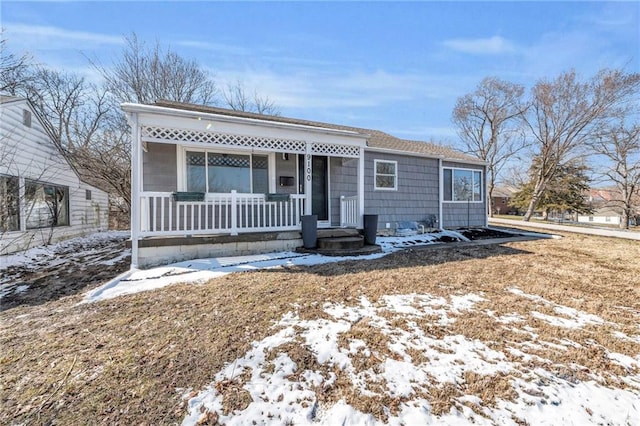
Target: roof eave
x=177, y=112
x=426, y=155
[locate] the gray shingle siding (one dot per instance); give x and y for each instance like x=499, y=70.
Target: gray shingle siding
x=417, y=189
x=160, y=168
x=459, y=215
x=288, y=168
x=343, y=180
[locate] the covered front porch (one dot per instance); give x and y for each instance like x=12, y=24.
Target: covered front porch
x=196, y=174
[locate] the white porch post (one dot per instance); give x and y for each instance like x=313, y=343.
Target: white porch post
x=136, y=165
x=308, y=173
x=361, y=188
x=234, y=212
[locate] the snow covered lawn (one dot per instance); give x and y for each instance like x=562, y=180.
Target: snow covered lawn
x=536, y=332
x=397, y=361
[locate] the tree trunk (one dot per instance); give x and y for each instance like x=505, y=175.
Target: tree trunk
x=535, y=196
x=626, y=207
x=624, y=220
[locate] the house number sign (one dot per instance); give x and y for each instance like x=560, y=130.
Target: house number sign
x=308, y=168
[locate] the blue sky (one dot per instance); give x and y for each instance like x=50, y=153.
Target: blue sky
x=397, y=67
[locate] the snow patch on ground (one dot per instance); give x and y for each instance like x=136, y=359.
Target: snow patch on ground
x=571, y=318
x=47, y=254
x=278, y=391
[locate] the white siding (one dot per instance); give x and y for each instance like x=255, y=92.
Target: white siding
x=29, y=153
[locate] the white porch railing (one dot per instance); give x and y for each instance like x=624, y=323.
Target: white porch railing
x=349, y=213
x=229, y=213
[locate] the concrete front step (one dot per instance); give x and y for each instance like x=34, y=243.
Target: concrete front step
x=341, y=243
x=338, y=232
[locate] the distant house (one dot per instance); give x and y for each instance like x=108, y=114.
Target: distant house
x=605, y=209
x=501, y=200
x=210, y=181
x=42, y=199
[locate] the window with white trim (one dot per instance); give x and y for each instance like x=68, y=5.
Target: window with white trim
x=46, y=205
x=462, y=184
x=9, y=204
x=386, y=175
x=219, y=172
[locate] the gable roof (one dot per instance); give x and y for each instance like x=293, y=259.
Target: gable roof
x=377, y=140
x=9, y=101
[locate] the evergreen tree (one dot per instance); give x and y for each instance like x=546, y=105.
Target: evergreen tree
x=565, y=192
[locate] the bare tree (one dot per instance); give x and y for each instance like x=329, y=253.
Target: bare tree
x=489, y=124
x=619, y=145
x=145, y=75
x=15, y=71
x=236, y=97
x=564, y=115
x=72, y=109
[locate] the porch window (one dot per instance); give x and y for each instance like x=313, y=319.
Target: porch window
x=386, y=175
x=9, y=204
x=46, y=205
x=462, y=184
x=218, y=172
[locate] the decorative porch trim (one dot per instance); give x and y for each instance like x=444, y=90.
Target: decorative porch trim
x=173, y=135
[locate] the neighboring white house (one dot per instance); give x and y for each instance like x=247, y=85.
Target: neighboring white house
x=604, y=215
x=42, y=199
x=604, y=211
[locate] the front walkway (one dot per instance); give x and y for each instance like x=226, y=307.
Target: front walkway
x=630, y=235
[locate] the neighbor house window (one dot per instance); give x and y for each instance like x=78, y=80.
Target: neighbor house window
x=9, y=204
x=216, y=172
x=462, y=184
x=87, y=194
x=386, y=174
x=46, y=205
x=26, y=117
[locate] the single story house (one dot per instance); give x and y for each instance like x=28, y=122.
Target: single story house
x=212, y=182
x=603, y=215
x=42, y=199
x=605, y=205
x=501, y=200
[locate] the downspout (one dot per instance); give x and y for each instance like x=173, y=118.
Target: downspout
x=135, y=188
x=440, y=195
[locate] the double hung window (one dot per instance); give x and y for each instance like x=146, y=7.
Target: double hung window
x=386, y=175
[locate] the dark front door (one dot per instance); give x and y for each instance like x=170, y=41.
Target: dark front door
x=319, y=185
x=320, y=188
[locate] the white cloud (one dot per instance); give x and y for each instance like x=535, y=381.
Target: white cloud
x=481, y=46
x=38, y=37
x=311, y=89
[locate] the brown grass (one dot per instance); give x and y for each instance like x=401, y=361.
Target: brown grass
x=130, y=360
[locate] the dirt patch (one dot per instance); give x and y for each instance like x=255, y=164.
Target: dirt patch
x=483, y=233
x=63, y=270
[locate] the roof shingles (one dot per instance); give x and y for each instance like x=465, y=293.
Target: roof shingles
x=377, y=139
